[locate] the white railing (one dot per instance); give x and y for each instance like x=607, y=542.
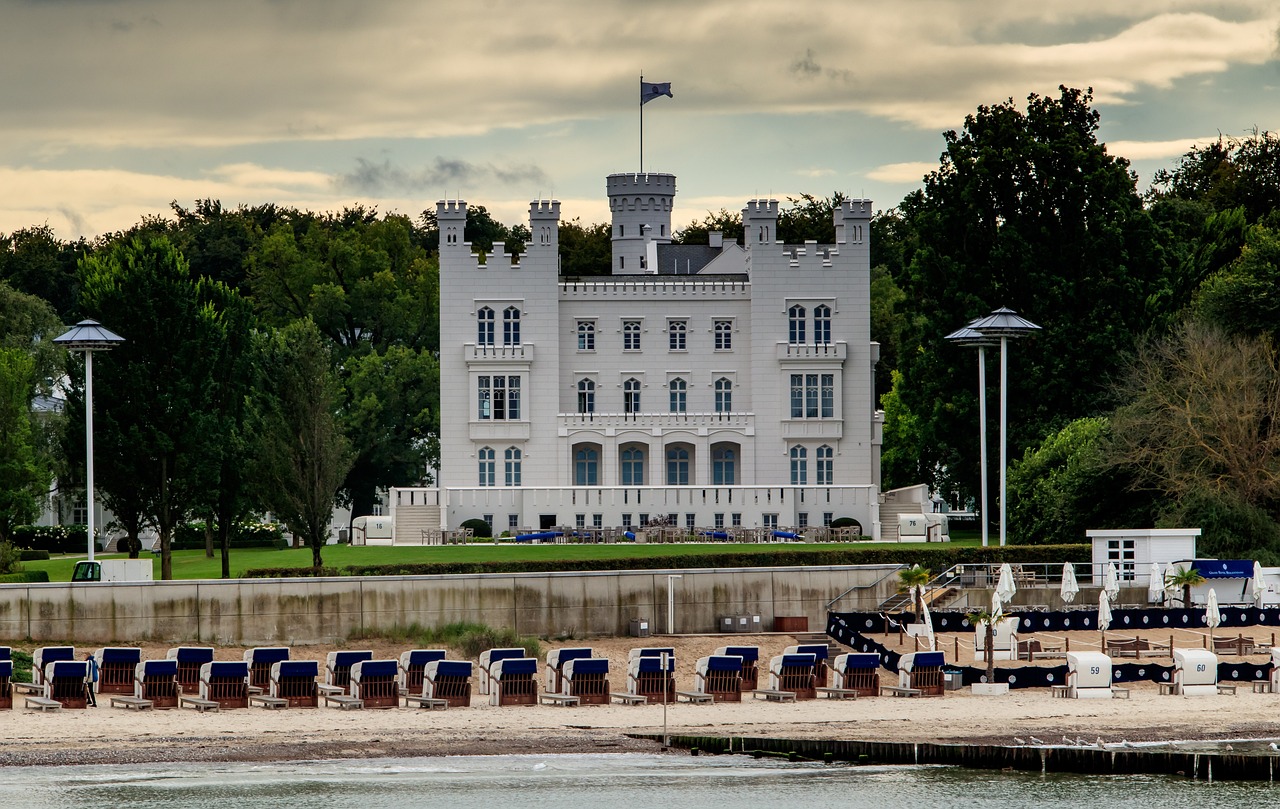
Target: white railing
x=741, y=421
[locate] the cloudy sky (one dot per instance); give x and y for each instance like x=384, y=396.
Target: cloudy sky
x=112, y=108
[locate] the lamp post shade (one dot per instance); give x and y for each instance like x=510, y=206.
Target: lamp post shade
x=969, y=337
x=1003, y=322
x=88, y=335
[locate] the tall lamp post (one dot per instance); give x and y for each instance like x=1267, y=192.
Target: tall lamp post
x=972, y=339
x=1006, y=325
x=88, y=336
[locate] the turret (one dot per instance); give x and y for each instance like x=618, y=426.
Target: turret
x=451, y=219
x=760, y=222
x=544, y=225
x=637, y=200
x=852, y=220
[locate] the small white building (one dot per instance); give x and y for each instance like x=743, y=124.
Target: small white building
x=1132, y=550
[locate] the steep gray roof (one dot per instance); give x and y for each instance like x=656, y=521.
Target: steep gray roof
x=684, y=259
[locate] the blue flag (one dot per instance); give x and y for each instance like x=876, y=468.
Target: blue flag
x=649, y=90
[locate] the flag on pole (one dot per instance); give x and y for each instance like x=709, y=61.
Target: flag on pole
x=649, y=90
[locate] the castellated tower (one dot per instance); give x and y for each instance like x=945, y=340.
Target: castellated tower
x=641, y=206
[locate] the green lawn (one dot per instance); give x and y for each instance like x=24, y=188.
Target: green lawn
x=195, y=565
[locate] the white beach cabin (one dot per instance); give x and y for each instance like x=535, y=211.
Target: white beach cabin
x=1195, y=672
x=1088, y=675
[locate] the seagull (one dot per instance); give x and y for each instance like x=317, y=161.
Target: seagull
x=1068, y=740
x=1024, y=741
x=1274, y=747
x=1101, y=743
x=1082, y=742
x=1034, y=740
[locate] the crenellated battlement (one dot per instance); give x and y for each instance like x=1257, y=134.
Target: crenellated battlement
x=544, y=209
x=451, y=209
x=812, y=256
x=641, y=183
x=761, y=208
x=854, y=209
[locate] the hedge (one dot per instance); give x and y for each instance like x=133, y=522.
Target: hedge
x=52, y=538
x=935, y=559
x=33, y=556
x=190, y=536
x=24, y=577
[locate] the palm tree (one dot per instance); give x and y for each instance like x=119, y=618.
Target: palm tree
x=908, y=580
x=1186, y=578
x=985, y=616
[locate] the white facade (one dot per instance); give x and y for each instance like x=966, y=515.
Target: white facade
x=1132, y=550
x=738, y=392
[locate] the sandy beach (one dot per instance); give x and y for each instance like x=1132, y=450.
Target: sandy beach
x=106, y=735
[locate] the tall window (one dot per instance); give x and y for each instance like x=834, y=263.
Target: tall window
x=484, y=327
x=679, y=395
x=513, y=456
x=724, y=335
x=586, y=466
x=828, y=395
x=633, y=466
x=511, y=326
x=822, y=325
x=824, y=457
x=498, y=398
x=676, y=331
x=799, y=466
x=586, y=335
x=677, y=466
x=586, y=396
x=724, y=466
x=631, y=335
x=795, y=325
x=724, y=395
x=812, y=396
x=486, y=466
x=631, y=396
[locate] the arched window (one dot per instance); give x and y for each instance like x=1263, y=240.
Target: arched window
x=822, y=325
x=484, y=327
x=724, y=458
x=485, y=456
x=795, y=325
x=631, y=396
x=511, y=326
x=724, y=395
x=676, y=330
x=679, y=395
x=513, y=457
x=631, y=335
x=678, y=466
x=824, y=457
x=799, y=466
x=586, y=335
x=724, y=335
x=633, y=466
x=586, y=396
x=586, y=466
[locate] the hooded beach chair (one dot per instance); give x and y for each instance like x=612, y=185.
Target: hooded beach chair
x=796, y=672
x=6, y=684
x=857, y=671
x=449, y=680
x=488, y=658
x=586, y=678
x=820, y=652
x=294, y=681
x=337, y=668
x=157, y=681
x=376, y=683
x=719, y=676
x=412, y=665
x=1088, y=675
x=1195, y=672
x=260, y=660
x=42, y=657
x=116, y=669
x=647, y=677
x=750, y=664
x=922, y=671
x=1275, y=671
x=226, y=682
x=556, y=658
x=1005, y=643
x=189, y=660
x=67, y=682
x=514, y=681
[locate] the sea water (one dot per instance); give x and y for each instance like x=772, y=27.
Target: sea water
x=595, y=781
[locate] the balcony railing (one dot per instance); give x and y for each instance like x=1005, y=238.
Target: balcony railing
x=834, y=352
x=518, y=353
x=702, y=423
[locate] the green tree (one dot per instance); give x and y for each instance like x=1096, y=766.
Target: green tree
x=1186, y=578
x=24, y=477
x=1227, y=174
x=1244, y=298
x=585, y=249
x=900, y=460
x=34, y=261
x=913, y=580
x=725, y=222
x=300, y=455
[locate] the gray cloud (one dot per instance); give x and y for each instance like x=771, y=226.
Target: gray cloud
x=369, y=177
x=807, y=67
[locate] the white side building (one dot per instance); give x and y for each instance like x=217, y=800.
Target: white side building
x=713, y=386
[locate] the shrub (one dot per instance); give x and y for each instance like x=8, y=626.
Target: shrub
x=190, y=536
x=291, y=572
x=479, y=528
x=25, y=577
x=51, y=538
x=469, y=638
x=21, y=666
x=33, y=556
x=10, y=557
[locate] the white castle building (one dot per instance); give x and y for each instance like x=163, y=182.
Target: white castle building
x=711, y=385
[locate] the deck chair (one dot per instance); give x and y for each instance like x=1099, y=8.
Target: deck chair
x=295, y=682
x=750, y=664
x=190, y=659
x=67, y=681
x=1195, y=672
x=6, y=684
x=586, y=678
x=449, y=680
x=116, y=668
x=412, y=664
x=820, y=652
x=260, y=660
x=796, y=672
x=1088, y=675
x=646, y=676
x=514, y=681
x=337, y=668
x=556, y=658
x=226, y=682
x=720, y=676
x=923, y=672
x=488, y=659
x=376, y=683
x=857, y=671
x=157, y=680
x=42, y=657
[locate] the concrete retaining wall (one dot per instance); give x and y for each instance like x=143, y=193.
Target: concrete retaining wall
x=305, y=611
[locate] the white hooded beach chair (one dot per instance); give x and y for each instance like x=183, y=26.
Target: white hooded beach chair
x=1195, y=672
x=157, y=682
x=720, y=676
x=412, y=665
x=796, y=672
x=487, y=660
x=376, y=683
x=337, y=668
x=556, y=658
x=1005, y=644
x=750, y=663
x=648, y=677
x=1088, y=675
x=857, y=671
x=514, y=681
x=449, y=680
x=922, y=671
x=116, y=669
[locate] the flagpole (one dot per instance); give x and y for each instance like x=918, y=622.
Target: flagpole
x=642, y=123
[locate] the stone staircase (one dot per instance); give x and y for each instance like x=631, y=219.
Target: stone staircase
x=833, y=648
x=412, y=520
